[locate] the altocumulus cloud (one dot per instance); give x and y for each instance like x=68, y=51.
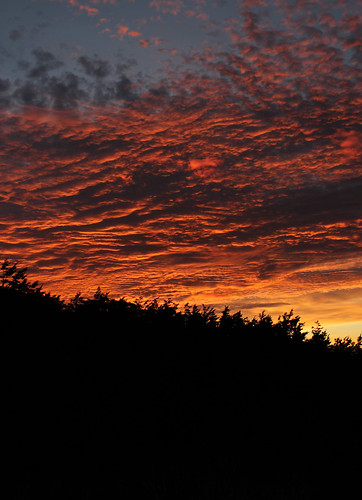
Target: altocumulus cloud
x=236, y=172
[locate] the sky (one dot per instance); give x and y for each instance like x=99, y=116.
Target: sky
x=204, y=151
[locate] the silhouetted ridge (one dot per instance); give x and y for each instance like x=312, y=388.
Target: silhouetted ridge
x=113, y=399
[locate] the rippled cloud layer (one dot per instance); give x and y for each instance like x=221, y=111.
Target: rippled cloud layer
x=232, y=177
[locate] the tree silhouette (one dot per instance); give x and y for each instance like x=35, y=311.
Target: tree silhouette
x=118, y=399
x=76, y=302
x=320, y=337
x=348, y=345
x=16, y=279
x=291, y=327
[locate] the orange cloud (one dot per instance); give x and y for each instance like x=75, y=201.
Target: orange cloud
x=122, y=31
x=203, y=167
x=91, y=11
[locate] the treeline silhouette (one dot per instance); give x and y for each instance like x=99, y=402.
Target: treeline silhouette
x=112, y=399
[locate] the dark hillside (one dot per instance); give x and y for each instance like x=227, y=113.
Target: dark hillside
x=110, y=400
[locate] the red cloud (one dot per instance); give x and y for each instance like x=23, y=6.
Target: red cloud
x=203, y=167
x=351, y=144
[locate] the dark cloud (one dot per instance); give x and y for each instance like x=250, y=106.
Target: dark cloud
x=16, y=34
x=67, y=91
x=44, y=62
x=124, y=89
x=262, y=305
x=9, y=210
x=4, y=85
x=30, y=93
x=328, y=203
x=95, y=67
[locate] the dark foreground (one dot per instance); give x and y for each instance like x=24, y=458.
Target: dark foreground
x=104, y=402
